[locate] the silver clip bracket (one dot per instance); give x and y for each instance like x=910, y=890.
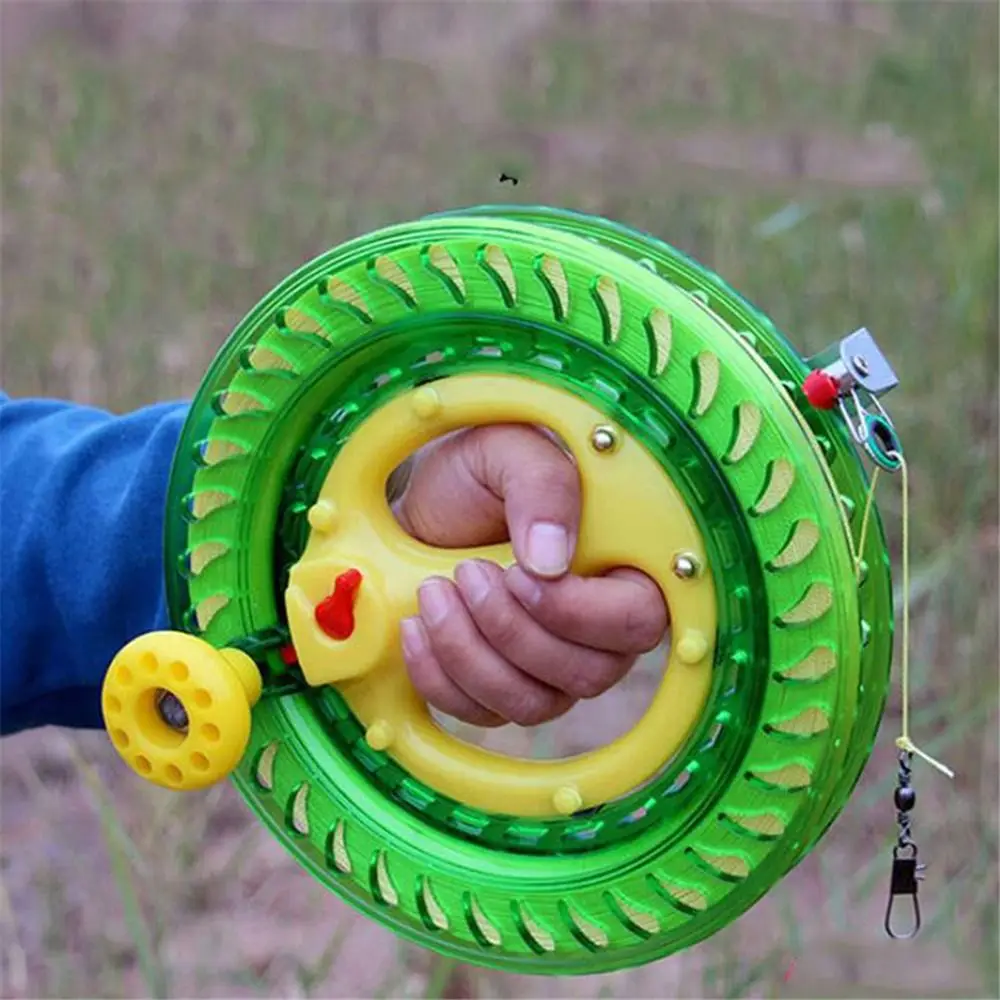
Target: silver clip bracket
x=853, y=368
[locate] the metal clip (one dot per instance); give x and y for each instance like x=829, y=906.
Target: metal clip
x=856, y=362
x=906, y=873
x=852, y=368
x=906, y=876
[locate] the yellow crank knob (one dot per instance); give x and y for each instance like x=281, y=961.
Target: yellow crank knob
x=178, y=709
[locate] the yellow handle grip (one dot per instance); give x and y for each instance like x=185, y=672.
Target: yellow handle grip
x=632, y=515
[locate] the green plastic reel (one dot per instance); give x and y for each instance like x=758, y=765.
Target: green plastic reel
x=705, y=384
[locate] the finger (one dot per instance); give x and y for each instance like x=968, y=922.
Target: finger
x=482, y=673
x=434, y=685
x=623, y=612
x=510, y=630
x=444, y=503
x=540, y=489
x=482, y=485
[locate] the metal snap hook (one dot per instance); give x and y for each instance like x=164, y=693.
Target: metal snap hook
x=906, y=876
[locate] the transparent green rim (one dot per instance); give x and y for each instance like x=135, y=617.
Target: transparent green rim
x=782, y=742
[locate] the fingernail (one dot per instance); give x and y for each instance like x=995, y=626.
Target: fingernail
x=434, y=603
x=473, y=581
x=522, y=586
x=412, y=633
x=548, y=549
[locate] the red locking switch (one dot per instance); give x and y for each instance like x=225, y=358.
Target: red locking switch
x=335, y=614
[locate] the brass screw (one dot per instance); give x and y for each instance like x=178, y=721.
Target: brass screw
x=603, y=438
x=685, y=566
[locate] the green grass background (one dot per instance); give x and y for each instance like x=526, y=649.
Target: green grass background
x=835, y=161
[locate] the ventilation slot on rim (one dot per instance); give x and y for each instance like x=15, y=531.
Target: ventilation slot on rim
x=336, y=849
x=816, y=665
x=431, y=913
x=609, y=305
x=746, y=427
x=640, y=922
x=684, y=899
x=482, y=928
x=810, y=607
x=808, y=723
x=799, y=545
x=758, y=826
x=299, y=323
x=203, y=502
x=777, y=485
x=347, y=299
x=237, y=402
x=264, y=771
x=787, y=778
x=706, y=382
x=440, y=262
x=216, y=450
x=586, y=932
x=660, y=334
x=387, y=273
x=297, y=818
x=267, y=361
x=553, y=278
x=380, y=881
x=536, y=937
x=204, y=554
x=592, y=937
x=727, y=867
x=208, y=609
x=498, y=266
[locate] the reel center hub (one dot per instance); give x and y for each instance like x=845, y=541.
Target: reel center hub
x=353, y=531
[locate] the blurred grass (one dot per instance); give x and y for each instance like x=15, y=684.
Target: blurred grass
x=152, y=193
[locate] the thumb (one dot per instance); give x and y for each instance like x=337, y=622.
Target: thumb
x=465, y=489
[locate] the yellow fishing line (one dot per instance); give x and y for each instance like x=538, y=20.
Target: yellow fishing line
x=865, y=520
x=904, y=742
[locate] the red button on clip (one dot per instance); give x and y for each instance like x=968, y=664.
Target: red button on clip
x=335, y=614
x=821, y=390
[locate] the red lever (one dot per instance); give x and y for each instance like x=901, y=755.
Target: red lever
x=335, y=614
x=821, y=390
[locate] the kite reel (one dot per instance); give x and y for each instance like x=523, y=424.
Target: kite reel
x=712, y=457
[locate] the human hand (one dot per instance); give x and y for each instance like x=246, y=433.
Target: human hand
x=521, y=645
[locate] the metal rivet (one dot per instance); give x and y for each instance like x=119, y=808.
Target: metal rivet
x=860, y=364
x=603, y=438
x=686, y=566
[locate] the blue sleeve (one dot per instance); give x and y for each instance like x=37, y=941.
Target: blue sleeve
x=82, y=500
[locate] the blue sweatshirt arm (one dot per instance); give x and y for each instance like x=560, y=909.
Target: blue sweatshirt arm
x=82, y=503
